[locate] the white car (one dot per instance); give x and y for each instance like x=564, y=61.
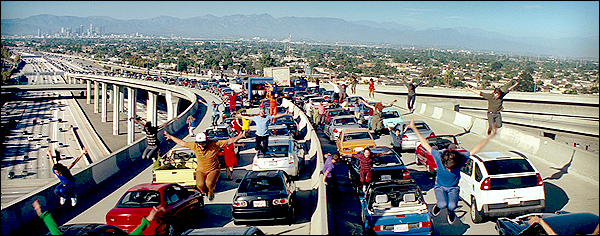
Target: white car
x=501, y=184
x=312, y=102
x=338, y=123
x=283, y=153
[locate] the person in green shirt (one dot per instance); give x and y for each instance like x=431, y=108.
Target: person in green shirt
x=54, y=230
x=495, y=101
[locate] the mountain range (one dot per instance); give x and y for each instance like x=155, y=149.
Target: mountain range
x=320, y=29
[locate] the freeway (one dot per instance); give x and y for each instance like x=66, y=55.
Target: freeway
x=562, y=189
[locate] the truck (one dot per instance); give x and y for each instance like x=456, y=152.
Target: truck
x=281, y=75
x=178, y=166
x=255, y=89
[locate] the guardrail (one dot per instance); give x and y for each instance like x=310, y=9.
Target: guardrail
x=320, y=218
x=19, y=213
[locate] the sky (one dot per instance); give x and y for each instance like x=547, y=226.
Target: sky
x=548, y=19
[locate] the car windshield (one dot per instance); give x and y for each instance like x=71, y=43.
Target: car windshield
x=261, y=184
x=339, y=113
x=507, y=166
x=441, y=142
x=389, y=158
x=283, y=120
x=356, y=136
x=217, y=132
x=279, y=131
x=345, y=121
x=139, y=199
x=390, y=114
x=276, y=151
x=317, y=100
x=420, y=126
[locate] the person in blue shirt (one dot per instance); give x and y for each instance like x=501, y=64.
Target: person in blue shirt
x=214, y=108
x=65, y=189
x=262, y=121
x=192, y=124
x=329, y=178
x=449, y=162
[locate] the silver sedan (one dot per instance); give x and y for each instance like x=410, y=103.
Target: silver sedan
x=409, y=138
x=339, y=123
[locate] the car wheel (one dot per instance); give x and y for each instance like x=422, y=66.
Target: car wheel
x=476, y=215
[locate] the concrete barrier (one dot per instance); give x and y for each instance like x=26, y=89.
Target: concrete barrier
x=461, y=120
x=480, y=126
x=559, y=155
x=518, y=139
x=19, y=213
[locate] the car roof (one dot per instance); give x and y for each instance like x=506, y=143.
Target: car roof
x=357, y=130
x=343, y=116
x=267, y=173
x=149, y=186
x=489, y=156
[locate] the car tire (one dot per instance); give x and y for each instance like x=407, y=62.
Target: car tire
x=476, y=215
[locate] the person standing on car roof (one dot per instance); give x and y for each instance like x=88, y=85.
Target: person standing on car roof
x=336, y=91
x=232, y=100
x=366, y=164
x=262, y=121
x=231, y=158
x=208, y=169
x=377, y=119
x=214, y=110
x=449, y=162
x=495, y=101
x=353, y=85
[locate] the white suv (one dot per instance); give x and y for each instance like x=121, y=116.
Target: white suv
x=501, y=184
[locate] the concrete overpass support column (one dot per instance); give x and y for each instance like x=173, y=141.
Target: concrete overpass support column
x=104, y=102
x=116, y=109
x=121, y=98
x=96, y=96
x=172, y=103
x=88, y=94
x=151, y=113
x=131, y=95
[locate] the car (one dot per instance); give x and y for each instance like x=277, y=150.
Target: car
x=90, y=229
x=385, y=167
x=351, y=141
x=563, y=223
x=313, y=102
x=265, y=196
x=217, y=133
x=289, y=122
x=278, y=131
x=395, y=207
x=439, y=142
x=288, y=92
x=246, y=230
x=351, y=102
x=336, y=124
x=335, y=111
x=283, y=153
x=298, y=98
x=328, y=95
x=180, y=204
x=410, y=139
x=498, y=184
x=390, y=117
x=178, y=166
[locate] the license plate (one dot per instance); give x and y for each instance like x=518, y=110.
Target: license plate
x=272, y=163
x=401, y=228
x=386, y=177
x=513, y=201
x=262, y=203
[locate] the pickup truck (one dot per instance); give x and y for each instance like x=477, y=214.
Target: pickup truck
x=178, y=166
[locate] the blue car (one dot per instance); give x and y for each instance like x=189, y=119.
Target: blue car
x=395, y=207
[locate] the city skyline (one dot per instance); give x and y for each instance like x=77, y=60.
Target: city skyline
x=519, y=19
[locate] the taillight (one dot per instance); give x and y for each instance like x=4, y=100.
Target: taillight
x=425, y=224
x=406, y=175
x=154, y=177
x=194, y=176
x=335, y=130
x=404, y=138
x=240, y=203
x=280, y=201
x=540, y=181
x=486, y=184
x=378, y=228
x=432, y=134
x=346, y=149
x=401, y=215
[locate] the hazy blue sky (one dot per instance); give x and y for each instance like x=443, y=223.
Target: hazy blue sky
x=548, y=19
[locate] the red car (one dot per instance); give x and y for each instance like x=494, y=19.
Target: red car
x=180, y=205
x=439, y=142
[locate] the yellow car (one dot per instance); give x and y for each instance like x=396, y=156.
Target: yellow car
x=351, y=141
x=178, y=166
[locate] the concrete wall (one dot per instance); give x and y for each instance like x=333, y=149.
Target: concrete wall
x=20, y=213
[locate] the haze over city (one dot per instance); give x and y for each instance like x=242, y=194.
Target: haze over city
x=560, y=22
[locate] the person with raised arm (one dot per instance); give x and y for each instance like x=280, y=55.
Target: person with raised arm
x=377, y=119
x=412, y=95
x=214, y=108
x=495, y=101
x=366, y=164
x=262, y=121
x=208, y=169
x=151, y=137
x=449, y=162
x=65, y=188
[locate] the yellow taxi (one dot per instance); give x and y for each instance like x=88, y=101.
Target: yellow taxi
x=351, y=141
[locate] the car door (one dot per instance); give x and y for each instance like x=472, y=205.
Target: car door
x=467, y=181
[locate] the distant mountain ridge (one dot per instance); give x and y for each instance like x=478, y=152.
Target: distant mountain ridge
x=311, y=28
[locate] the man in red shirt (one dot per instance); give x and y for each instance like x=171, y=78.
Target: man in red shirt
x=366, y=164
x=232, y=101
